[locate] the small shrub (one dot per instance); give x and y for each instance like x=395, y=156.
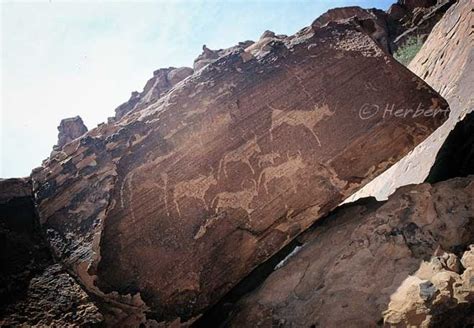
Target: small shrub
x=408, y=50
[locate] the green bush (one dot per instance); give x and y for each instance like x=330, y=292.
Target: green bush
x=408, y=50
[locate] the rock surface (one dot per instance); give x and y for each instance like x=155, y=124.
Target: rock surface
x=439, y=294
x=392, y=29
x=374, y=22
x=163, y=80
x=69, y=129
x=167, y=209
x=417, y=21
x=397, y=260
x=33, y=289
x=446, y=62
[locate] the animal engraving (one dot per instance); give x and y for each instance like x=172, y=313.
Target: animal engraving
x=241, y=154
x=239, y=199
x=267, y=159
x=308, y=119
x=194, y=188
x=286, y=169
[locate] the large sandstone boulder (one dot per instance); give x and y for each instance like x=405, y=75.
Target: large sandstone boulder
x=446, y=62
x=162, y=212
x=397, y=260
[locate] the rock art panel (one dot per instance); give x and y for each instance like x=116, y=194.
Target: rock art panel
x=161, y=213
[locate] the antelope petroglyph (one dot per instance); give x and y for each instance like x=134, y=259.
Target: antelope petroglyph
x=308, y=118
x=286, y=169
x=267, y=159
x=239, y=199
x=240, y=154
x=194, y=188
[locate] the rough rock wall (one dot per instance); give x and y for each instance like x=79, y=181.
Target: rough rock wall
x=69, y=129
x=397, y=260
x=392, y=29
x=446, y=63
x=166, y=209
x=374, y=22
x=411, y=19
x=33, y=289
x=163, y=80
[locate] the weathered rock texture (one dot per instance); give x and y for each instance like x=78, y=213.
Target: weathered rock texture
x=371, y=260
x=446, y=63
x=33, y=289
x=69, y=129
x=439, y=294
x=374, y=22
x=167, y=209
x=392, y=29
x=163, y=80
x=414, y=19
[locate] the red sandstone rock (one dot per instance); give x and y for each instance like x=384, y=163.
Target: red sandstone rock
x=373, y=21
x=165, y=210
x=162, y=81
x=69, y=129
x=396, y=12
x=445, y=62
x=373, y=260
x=413, y=4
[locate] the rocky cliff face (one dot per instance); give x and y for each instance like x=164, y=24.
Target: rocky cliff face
x=445, y=62
x=33, y=289
x=167, y=209
x=392, y=30
x=69, y=129
x=162, y=81
x=395, y=262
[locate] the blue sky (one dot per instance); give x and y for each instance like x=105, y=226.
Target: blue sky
x=61, y=59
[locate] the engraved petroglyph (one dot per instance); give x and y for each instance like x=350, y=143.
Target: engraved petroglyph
x=164, y=187
x=267, y=159
x=127, y=185
x=308, y=119
x=241, y=154
x=287, y=170
x=240, y=199
x=203, y=229
x=194, y=188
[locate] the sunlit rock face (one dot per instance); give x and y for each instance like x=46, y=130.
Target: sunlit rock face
x=165, y=210
x=162, y=81
x=405, y=262
x=446, y=62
